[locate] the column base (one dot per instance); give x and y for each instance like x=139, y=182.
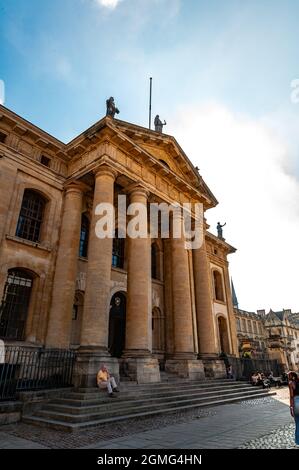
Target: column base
x=192, y=369
x=213, y=366
x=88, y=363
x=141, y=369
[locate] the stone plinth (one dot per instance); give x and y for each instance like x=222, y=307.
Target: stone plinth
x=192, y=369
x=214, y=367
x=142, y=369
x=87, y=365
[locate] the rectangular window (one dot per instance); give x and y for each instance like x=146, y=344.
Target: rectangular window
x=2, y=137
x=45, y=161
x=14, y=306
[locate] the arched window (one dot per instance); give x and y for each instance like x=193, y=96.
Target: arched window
x=223, y=335
x=118, y=251
x=15, y=304
x=31, y=216
x=218, y=286
x=84, y=235
x=154, y=255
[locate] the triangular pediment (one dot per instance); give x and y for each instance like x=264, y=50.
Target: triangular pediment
x=165, y=149
x=160, y=150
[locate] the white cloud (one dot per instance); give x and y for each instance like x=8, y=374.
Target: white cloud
x=108, y=3
x=244, y=162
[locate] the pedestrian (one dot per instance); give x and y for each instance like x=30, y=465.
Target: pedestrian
x=106, y=381
x=229, y=372
x=294, y=401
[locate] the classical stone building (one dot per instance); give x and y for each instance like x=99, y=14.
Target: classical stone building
x=274, y=335
x=140, y=305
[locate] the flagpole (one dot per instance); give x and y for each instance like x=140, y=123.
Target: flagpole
x=150, y=105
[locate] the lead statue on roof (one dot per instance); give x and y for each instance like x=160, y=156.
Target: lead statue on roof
x=111, y=108
x=220, y=231
x=159, y=124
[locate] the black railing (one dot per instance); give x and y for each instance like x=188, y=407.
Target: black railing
x=34, y=369
x=243, y=368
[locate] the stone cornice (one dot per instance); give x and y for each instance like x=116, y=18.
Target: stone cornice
x=221, y=243
x=24, y=128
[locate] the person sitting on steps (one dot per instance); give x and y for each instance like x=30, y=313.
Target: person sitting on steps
x=106, y=381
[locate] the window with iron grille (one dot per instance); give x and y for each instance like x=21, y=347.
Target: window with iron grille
x=118, y=251
x=154, y=261
x=31, y=216
x=15, y=303
x=84, y=236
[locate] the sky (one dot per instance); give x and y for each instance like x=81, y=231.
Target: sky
x=222, y=79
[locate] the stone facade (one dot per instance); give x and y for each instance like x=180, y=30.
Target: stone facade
x=134, y=306
x=274, y=335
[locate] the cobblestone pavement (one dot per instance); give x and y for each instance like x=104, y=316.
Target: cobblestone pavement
x=281, y=438
x=258, y=423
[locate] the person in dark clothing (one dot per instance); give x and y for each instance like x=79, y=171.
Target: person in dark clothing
x=294, y=401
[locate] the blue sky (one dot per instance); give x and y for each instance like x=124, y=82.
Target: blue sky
x=225, y=64
x=61, y=58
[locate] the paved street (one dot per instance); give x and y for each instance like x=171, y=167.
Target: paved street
x=260, y=423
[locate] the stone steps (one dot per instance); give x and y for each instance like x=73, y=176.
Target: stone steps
x=84, y=408
x=93, y=393
x=75, y=408
x=88, y=415
x=101, y=396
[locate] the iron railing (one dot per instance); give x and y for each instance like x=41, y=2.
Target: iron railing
x=34, y=369
x=243, y=368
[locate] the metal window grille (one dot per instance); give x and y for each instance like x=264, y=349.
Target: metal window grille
x=154, y=262
x=84, y=237
x=118, y=252
x=14, y=306
x=31, y=216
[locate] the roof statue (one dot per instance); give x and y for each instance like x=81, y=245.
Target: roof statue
x=159, y=124
x=111, y=108
x=220, y=231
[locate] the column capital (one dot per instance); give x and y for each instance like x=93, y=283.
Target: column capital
x=75, y=187
x=105, y=170
x=138, y=190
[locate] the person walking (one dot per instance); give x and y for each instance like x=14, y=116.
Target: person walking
x=294, y=401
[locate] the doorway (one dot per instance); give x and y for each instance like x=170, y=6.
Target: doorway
x=117, y=325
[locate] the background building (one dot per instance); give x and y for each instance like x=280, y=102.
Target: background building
x=274, y=335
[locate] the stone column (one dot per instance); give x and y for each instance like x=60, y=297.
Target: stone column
x=141, y=365
x=204, y=312
x=184, y=361
x=169, y=326
x=95, y=321
x=64, y=285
